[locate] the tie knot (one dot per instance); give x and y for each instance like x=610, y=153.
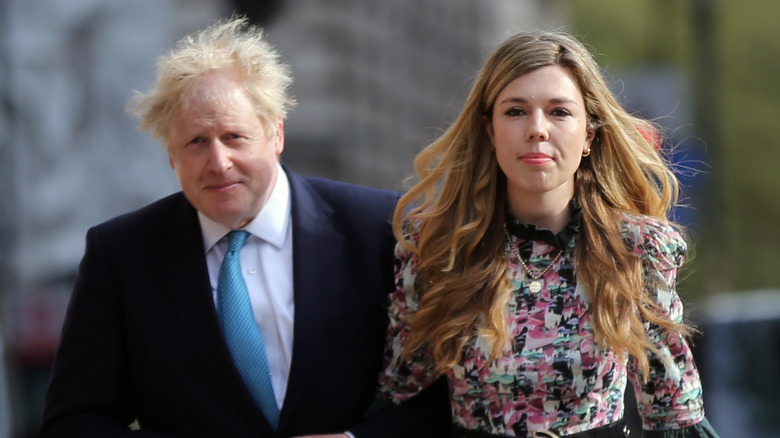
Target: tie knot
x=236, y=240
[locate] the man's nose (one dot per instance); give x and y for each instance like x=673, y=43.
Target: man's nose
x=220, y=156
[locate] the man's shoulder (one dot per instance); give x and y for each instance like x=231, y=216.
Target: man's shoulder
x=336, y=188
x=354, y=207
x=163, y=209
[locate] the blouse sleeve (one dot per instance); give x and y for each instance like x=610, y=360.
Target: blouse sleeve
x=670, y=402
x=401, y=380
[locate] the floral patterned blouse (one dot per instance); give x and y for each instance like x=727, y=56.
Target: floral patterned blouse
x=556, y=377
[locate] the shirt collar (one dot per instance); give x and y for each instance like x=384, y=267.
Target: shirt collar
x=269, y=225
x=560, y=240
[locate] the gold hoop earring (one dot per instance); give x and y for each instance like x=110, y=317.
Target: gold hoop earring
x=586, y=152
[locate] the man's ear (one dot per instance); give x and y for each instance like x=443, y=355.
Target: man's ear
x=279, y=138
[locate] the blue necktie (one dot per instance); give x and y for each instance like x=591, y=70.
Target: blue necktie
x=241, y=331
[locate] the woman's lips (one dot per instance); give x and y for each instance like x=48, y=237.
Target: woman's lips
x=536, y=159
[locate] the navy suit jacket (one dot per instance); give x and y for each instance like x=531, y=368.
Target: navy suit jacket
x=141, y=339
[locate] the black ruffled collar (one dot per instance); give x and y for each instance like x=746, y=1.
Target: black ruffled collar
x=560, y=240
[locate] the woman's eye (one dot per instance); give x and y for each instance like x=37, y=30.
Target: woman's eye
x=514, y=112
x=560, y=112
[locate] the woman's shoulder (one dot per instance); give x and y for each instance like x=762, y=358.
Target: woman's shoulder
x=654, y=240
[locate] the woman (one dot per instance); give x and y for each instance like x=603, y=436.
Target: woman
x=536, y=266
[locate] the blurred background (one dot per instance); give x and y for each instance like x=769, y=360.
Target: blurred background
x=375, y=81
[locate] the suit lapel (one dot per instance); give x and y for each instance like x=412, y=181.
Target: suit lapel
x=316, y=242
x=181, y=262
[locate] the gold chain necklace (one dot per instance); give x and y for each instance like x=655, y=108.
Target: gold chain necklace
x=536, y=283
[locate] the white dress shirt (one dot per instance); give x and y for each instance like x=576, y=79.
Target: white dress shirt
x=266, y=261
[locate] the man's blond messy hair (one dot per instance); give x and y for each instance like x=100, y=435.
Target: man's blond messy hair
x=232, y=44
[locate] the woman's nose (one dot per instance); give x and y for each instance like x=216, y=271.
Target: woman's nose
x=537, y=127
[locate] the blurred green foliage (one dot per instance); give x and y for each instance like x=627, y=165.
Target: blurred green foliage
x=735, y=68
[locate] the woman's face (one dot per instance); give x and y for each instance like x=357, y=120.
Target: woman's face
x=539, y=131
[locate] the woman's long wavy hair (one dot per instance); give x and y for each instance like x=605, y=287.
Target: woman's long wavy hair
x=456, y=212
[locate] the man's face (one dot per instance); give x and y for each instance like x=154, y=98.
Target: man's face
x=225, y=161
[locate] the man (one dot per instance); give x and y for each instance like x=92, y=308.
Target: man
x=150, y=337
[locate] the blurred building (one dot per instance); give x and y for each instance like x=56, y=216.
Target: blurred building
x=739, y=356
x=377, y=80
x=5, y=405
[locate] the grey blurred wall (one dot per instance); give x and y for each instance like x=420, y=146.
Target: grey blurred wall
x=5, y=405
x=377, y=80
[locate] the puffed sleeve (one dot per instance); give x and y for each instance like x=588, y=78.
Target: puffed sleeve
x=401, y=380
x=670, y=402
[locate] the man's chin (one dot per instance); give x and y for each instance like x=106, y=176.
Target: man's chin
x=232, y=219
